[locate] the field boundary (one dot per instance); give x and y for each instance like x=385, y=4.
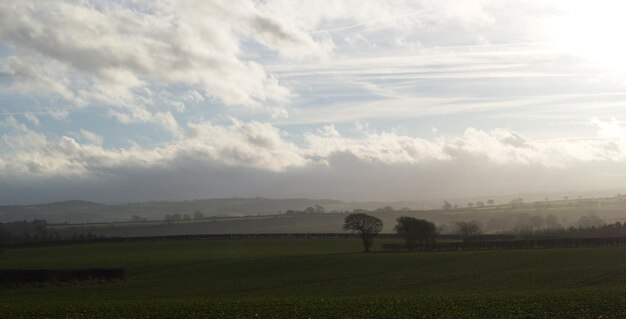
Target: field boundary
x=482, y=242
x=9, y=277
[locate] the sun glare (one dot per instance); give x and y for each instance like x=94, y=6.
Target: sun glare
x=592, y=30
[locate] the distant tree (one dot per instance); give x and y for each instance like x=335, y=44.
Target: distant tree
x=552, y=222
x=413, y=230
x=468, y=229
x=517, y=202
x=309, y=210
x=198, y=215
x=136, y=219
x=386, y=209
x=470, y=204
x=565, y=197
x=498, y=223
x=187, y=217
x=523, y=223
x=446, y=205
x=480, y=204
x=367, y=226
x=319, y=209
x=590, y=221
x=490, y=202
x=537, y=222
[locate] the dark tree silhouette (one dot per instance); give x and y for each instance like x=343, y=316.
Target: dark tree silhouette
x=468, y=229
x=446, y=206
x=413, y=230
x=367, y=226
x=490, y=202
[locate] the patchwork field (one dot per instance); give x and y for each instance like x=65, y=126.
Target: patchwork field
x=320, y=278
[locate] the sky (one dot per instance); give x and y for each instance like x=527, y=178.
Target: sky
x=124, y=101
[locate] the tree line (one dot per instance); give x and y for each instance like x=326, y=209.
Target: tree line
x=420, y=233
x=36, y=231
x=411, y=229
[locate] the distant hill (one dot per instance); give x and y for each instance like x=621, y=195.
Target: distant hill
x=78, y=211
x=75, y=211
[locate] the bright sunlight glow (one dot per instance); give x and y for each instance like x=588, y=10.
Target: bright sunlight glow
x=593, y=31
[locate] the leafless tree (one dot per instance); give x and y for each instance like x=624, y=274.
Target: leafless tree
x=468, y=229
x=367, y=226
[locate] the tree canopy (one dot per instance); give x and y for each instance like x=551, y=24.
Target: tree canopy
x=367, y=226
x=468, y=229
x=413, y=230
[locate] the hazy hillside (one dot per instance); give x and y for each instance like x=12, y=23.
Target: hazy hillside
x=88, y=212
x=77, y=211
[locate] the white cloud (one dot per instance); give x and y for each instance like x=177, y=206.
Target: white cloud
x=262, y=146
x=114, y=48
x=91, y=137
x=88, y=52
x=32, y=76
x=18, y=136
x=246, y=158
x=608, y=130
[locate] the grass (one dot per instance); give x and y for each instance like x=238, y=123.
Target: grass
x=321, y=278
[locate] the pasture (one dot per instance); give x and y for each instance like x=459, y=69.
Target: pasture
x=320, y=278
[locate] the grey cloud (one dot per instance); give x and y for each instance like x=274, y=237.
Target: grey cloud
x=345, y=177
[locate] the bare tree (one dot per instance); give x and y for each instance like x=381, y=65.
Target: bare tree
x=468, y=229
x=446, y=205
x=413, y=230
x=367, y=226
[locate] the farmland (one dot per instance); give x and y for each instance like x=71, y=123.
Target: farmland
x=320, y=278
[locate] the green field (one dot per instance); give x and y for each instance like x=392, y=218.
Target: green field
x=320, y=279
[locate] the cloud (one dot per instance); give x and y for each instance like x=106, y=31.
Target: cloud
x=31, y=76
x=87, y=52
x=256, y=158
x=91, y=137
x=608, y=130
x=120, y=48
x=243, y=93
x=32, y=118
x=262, y=146
x=387, y=148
